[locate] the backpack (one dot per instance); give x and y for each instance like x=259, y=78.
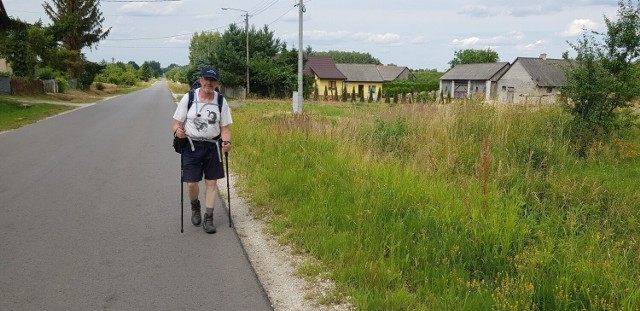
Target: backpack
x=180, y=143
x=192, y=94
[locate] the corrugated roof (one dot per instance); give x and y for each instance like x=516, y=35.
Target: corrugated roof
x=390, y=73
x=546, y=72
x=360, y=72
x=323, y=67
x=481, y=71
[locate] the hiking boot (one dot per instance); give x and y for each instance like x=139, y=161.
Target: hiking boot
x=207, y=225
x=196, y=216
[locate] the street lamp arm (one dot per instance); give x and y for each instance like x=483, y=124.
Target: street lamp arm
x=246, y=30
x=234, y=9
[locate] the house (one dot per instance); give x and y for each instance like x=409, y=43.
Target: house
x=391, y=72
x=325, y=74
x=477, y=80
x=533, y=80
x=365, y=79
x=5, y=67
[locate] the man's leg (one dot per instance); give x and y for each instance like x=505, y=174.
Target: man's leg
x=209, y=202
x=196, y=214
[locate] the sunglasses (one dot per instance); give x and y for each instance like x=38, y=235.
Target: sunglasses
x=210, y=79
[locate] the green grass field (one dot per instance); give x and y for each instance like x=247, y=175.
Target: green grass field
x=447, y=207
x=14, y=114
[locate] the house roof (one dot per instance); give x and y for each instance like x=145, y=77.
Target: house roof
x=389, y=72
x=323, y=67
x=480, y=71
x=545, y=71
x=361, y=72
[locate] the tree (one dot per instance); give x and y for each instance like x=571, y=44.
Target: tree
x=202, y=49
x=77, y=24
x=230, y=56
x=154, y=66
x=472, y=56
x=604, y=77
x=6, y=23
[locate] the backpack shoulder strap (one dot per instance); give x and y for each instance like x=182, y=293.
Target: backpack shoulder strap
x=220, y=98
x=191, y=94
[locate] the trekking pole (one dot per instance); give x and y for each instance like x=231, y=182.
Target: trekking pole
x=226, y=157
x=181, y=194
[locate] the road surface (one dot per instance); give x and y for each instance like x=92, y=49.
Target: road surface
x=90, y=217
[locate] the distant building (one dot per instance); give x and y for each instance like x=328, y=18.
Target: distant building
x=325, y=74
x=473, y=80
x=364, y=78
x=392, y=72
x=533, y=80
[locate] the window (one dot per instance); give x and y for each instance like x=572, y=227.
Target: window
x=504, y=87
x=550, y=89
x=332, y=85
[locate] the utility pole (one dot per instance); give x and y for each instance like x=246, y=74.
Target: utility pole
x=246, y=30
x=301, y=9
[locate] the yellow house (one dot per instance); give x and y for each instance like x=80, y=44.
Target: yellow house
x=326, y=75
x=365, y=79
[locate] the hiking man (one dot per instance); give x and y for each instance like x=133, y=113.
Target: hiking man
x=203, y=123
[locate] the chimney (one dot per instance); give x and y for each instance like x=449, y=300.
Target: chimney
x=543, y=56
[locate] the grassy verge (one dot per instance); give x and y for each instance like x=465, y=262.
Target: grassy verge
x=14, y=114
x=456, y=207
x=19, y=110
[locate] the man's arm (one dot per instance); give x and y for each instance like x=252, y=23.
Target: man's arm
x=225, y=134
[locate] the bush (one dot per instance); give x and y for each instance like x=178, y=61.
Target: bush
x=99, y=86
x=63, y=84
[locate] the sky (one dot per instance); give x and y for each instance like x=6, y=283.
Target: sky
x=414, y=33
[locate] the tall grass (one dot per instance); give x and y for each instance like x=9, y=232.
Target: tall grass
x=448, y=207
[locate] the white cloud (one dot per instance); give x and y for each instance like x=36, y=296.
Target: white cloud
x=322, y=35
x=531, y=46
x=384, y=38
x=178, y=40
x=479, y=11
x=149, y=9
x=490, y=41
x=576, y=27
x=466, y=42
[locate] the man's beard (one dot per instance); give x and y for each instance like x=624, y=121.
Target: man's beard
x=208, y=89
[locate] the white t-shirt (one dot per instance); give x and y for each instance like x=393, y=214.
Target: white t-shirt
x=207, y=125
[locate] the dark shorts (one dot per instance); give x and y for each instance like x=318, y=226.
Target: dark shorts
x=203, y=161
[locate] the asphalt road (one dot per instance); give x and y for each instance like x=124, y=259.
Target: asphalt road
x=90, y=217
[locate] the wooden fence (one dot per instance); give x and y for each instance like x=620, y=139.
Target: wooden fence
x=20, y=85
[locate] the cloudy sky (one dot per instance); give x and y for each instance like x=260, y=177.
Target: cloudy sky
x=414, y=33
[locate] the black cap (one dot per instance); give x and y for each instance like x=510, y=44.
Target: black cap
x=209, y=72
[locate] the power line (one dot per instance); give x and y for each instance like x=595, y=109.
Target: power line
x=141, y=0
x=142, y=47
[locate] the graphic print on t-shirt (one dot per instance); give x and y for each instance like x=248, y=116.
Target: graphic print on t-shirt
x=207, y=117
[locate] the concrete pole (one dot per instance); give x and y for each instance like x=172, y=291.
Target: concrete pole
x=246, y=29
x=300, y=88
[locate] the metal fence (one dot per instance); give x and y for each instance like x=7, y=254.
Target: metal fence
x=50, y=86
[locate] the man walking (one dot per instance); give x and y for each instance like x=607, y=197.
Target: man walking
x=203, y=124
